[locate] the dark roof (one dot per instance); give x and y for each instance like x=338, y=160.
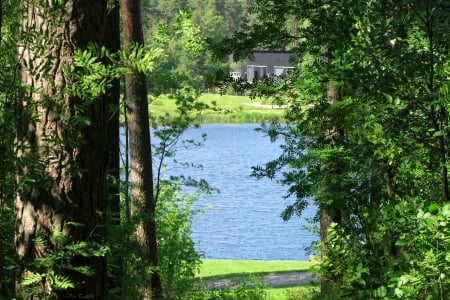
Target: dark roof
x=274, y=58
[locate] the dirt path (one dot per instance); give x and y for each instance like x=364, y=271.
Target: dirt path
x=274, y=280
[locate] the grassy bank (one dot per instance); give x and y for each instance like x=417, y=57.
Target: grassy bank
x=239, y=269
x=228, y=268
x=231, y=109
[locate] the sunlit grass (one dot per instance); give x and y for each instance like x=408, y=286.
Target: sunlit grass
x=228, y=268
x=242, y=270
x=229, y=109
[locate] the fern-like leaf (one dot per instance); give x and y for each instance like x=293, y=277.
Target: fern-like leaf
x=85, y=270
x=32, y=279
x=62, y=282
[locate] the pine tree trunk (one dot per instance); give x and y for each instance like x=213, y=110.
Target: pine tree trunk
x=142, y=198
x=61, y=166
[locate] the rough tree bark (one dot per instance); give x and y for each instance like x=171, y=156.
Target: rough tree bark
x=61, y=168
x=142, y=198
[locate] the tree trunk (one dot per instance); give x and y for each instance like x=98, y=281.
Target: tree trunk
x=3, y=289
x=113, y=105
x=113, y=99
x=142, y=198
x=2, y=253
x=329, y=215
x=61, y=166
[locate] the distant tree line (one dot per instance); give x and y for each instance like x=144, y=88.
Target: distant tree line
x=215, y=20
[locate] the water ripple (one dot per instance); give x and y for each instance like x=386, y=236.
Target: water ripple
x=245, y=222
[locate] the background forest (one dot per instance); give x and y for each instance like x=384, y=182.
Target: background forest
x=366, y=136
x=215, y=21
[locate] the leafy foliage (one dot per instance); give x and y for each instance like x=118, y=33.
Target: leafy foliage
x=174, y=195
x=179, y=260
x=46, y=274
x=9, y=88
x=377, y=155
x=93, y=77
x=89, y=78
x=185, y=28
x=253, y=290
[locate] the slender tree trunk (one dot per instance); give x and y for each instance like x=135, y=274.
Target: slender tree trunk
x=142, y=198
x=3, y=289
x=61, y=165
x=113, y=99
x=332, y=214
x=439, y=113
x=328, y=215
x=113, y=105
x=1, y=18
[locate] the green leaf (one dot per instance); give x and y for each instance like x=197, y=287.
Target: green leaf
x=420, y=214
x=438, y=134
x=433, y=208
x=62, y=282
x=443, y=89
x=85, y=270
x=388, y=98
x=381, y=292
x=32, y=279
x=446, y=210
x=59, y=237
x=76, y=224
x=401, y=243
x=447, y=257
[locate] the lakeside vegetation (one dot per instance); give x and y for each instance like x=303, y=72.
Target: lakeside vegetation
x=223, y=109
x=304, y=292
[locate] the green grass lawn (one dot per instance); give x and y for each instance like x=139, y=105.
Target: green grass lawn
x=239, y=269
x=231, y=109
x=224, y=268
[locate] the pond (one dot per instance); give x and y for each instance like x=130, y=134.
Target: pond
x=244, y=222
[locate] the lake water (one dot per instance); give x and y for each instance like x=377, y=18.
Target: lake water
x=244, y=222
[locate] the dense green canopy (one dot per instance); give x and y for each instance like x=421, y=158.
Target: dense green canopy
x=375, y=154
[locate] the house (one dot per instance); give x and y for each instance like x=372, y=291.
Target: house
x=262, y=64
